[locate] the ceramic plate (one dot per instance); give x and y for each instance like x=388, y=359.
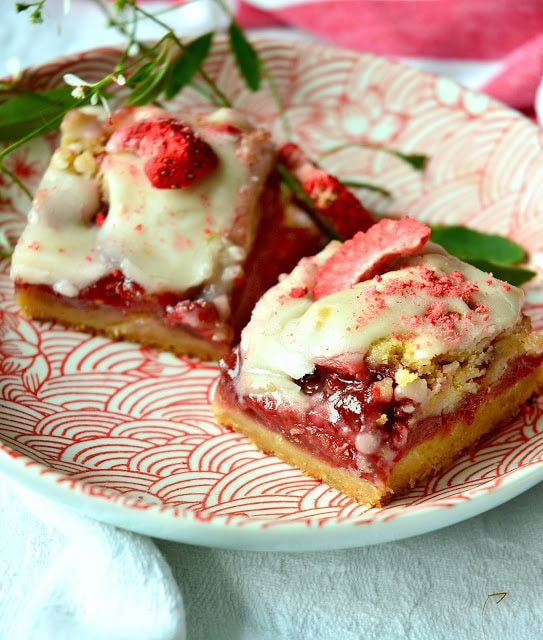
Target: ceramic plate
x=125, y=434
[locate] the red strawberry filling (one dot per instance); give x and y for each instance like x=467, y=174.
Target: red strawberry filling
x=356, y=421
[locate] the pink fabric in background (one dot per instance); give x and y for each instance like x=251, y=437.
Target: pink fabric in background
x=510, y=31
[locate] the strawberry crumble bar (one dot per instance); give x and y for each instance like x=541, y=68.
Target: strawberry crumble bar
x=157, y=227
x=376, y=362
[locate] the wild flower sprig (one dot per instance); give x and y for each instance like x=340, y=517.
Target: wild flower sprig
x=150, y=73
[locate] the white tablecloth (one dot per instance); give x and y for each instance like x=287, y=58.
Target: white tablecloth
x=62, y=576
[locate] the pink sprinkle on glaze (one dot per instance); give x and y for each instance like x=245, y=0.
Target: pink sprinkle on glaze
x=298, y=292
x=453, y=284
x=35, y=245
x=435, y=312
x=482, y=308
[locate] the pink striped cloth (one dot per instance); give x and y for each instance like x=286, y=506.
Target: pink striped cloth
x=508, y=31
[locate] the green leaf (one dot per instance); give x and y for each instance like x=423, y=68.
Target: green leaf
x=141, y=74
x=6, y=248
x=187, y=63
x=245, y=55
x=23, y=114
x=489, y=252
x=416, y=160
x=511, y=274
x=469, y=244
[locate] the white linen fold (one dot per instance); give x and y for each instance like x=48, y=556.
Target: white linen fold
x=66, y=577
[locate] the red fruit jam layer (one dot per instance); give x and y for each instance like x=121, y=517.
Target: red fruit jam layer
x=341, y=407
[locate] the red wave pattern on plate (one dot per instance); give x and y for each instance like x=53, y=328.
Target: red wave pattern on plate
x=124, y=424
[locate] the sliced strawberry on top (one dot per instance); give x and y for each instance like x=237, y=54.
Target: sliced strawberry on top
x=292, y=156
x=368, y=253
x=329, y=196
x=174, y=156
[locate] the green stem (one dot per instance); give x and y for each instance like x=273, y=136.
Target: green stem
x=305, y=203
x=357, y=184
x=415, y=160
x=35, y=14
x=15, y=178
x=223, y=100
x=274, y=90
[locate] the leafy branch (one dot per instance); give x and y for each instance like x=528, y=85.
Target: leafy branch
x=149, y=73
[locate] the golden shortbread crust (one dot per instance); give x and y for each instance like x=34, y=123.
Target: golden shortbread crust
x=116, y=324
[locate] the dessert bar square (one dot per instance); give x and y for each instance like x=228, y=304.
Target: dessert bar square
x=377, y=362
x=156, y=226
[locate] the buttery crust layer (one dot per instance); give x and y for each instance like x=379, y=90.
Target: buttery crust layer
x=118, y=325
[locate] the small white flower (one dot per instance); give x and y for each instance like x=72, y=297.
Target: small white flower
x=120, y=80
x=134, y=49
x=75, y=81
x=104, y=102
x=80, y=87
x=79, y=93
x=80, y=90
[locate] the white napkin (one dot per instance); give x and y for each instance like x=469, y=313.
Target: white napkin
x=64, y=577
